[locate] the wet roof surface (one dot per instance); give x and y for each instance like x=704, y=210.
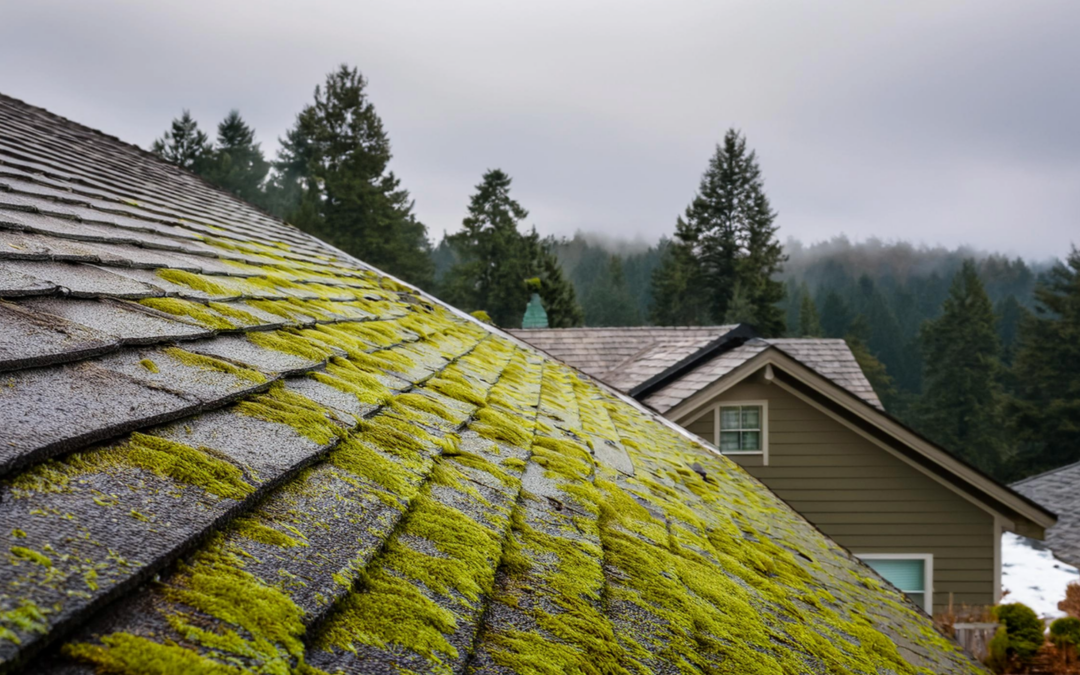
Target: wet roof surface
x=627, y=357
x=226, y=447
x=1057, y=490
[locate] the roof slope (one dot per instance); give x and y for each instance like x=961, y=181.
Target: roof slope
x=226, y=447
x=1057, y=491
x=627, y=357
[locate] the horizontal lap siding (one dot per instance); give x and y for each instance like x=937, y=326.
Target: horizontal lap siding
x=866, y=499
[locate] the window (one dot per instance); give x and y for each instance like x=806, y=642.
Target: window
x=741, y=428
x=911, y=573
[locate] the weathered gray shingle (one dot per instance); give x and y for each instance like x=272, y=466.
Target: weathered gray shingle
x=1058, y=491
x=334, y=471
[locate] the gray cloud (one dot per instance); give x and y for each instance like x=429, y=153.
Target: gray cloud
x=937, y=122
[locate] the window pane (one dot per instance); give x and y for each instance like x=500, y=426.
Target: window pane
x=751, y=440
x=907, y=575
x=729, y=441
x=729, y=418
x=751, y=417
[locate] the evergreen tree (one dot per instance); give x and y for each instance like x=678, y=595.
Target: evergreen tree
x=333, y=181
x=962, y=403
x=809, y=322
x=678, y=289
x=1010, y=314
x=1046, y=409
x=728, y=236
x=494, y=260
x=872, y=368
x=836, y=316
x=741, y=308
x=609, y=303
x=184, y=144
x=237, y=163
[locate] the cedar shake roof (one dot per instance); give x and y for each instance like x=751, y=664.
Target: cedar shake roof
x=626, y=358
x=227, y=447
x=1058, y=491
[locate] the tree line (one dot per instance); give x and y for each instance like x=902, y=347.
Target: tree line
x=980, y=353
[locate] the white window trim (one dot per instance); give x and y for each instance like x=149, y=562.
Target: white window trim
x=928, y=570
x=714, y=410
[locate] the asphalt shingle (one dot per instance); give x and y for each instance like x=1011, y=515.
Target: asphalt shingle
x=336, y=473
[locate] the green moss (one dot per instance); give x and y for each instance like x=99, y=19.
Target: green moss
x=18, y=534
x=343, y=376
x=233, y=312
x=281, y=406
x=463, y=392
x=31, y=555
x=199, y=282
x=193, y=310
x=27, y=617
x=289, y=343
x=514, y=463
x=364, y=462
x=210, y=363
x=149, y=365
x=405, y=403
x=255, y=530
x=497, y=426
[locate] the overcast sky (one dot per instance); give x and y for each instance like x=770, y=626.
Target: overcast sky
x=936, y=122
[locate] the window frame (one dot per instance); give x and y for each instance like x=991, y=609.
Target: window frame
x=714, y=410
x=928, y=573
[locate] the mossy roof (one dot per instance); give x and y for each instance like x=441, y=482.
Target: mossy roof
x=226, y=447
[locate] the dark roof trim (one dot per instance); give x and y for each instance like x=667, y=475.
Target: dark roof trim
x=921, y=459
x=730, y=340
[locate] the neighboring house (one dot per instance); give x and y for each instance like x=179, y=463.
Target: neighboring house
x=227, y=447
x=799, y=415
x=1058, y=491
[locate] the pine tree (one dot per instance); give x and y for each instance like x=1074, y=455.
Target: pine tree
x=873, y=369
x=678, y=289
x=1046, y=409
x=608, y=302
x=494, y=260
x=809, y=321
x=333, y=181
x=237, y=163
x=962, y=401
x=741, y=308
x=836, y=316
x=184, y=144
x=728, y=236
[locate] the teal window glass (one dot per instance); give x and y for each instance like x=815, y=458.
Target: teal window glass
x=908, y=575
x=740, y=428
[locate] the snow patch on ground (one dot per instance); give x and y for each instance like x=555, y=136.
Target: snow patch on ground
x=1031, y=575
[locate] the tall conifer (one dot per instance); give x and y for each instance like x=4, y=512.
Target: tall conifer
x=727, y=237
x=237, y=163
x=184, y=144
x=333, y=181
x=962, y=401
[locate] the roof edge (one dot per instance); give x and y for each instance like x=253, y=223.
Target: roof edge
x=733, y=338
x=1041, y=474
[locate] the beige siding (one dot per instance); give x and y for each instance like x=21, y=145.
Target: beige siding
x=865, y=498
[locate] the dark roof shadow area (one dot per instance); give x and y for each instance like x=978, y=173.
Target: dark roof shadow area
x=226, y=447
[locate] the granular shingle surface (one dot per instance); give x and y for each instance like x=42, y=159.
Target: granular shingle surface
x=1059, y=491
x=228, y=448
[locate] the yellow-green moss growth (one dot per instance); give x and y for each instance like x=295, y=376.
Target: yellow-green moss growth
x=255, y=530
x=193, y=310
x=405, y=403
x=497, y=426
x=289, y=343
x=199, y=282
x=149, y=365
x=281, y=406
x=210, y=363
x=233, y=312
x=31, y=555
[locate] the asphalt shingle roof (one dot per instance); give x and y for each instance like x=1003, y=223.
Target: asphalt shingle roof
x=226, y=447
x=1058, y=491
x=627, y=357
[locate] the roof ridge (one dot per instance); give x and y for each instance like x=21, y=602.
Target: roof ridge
x=1045, y=473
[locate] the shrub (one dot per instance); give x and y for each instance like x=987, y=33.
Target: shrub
x=1065, y=631
x=1071, y=604
x=1023, y=629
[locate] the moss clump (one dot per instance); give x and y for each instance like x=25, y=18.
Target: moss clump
x=281, y=406
x=149, y=365
x=405, y=403
x=199, y=282
x=193, y=310
x=233, y=312
x=210, y=363
x=457, y=390
x=364, y=462
x=255, y=530
x=289, y=343
x=31, y=555
x=343, y=376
